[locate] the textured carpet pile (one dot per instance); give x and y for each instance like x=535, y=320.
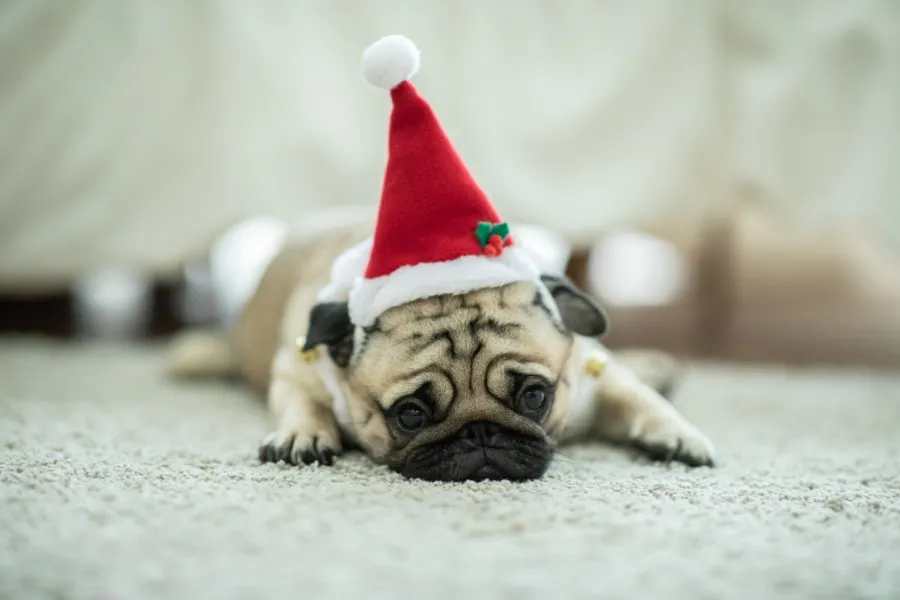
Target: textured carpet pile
x=116, y=484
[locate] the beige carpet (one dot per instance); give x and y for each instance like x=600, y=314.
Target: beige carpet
x=117, y=485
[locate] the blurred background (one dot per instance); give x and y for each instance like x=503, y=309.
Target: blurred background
x=724, y=176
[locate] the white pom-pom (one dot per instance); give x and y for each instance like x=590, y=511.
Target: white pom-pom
x=390, y=61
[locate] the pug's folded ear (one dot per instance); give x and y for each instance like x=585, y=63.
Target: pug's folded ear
x=329, y=324
x=580, y=313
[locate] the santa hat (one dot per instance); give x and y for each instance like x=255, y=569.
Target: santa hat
x=437, y=232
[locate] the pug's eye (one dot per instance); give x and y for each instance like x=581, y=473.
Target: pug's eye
x=410, y=416
x=533, y=399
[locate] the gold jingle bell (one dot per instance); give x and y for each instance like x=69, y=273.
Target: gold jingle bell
x=595, y=365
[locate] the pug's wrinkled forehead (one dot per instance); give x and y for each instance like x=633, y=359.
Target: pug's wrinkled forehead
x=465, y=341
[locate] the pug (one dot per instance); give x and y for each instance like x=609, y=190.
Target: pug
x=430, y=339
x=483, y=385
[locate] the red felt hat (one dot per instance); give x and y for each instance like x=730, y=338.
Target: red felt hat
x=437, y=231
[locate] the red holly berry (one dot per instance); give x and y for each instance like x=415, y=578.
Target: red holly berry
x=492, y=251
x=508, y=241
x=496, y=241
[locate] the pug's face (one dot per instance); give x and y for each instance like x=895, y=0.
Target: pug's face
x=462, y=387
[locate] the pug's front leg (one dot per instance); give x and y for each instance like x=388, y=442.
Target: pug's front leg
x=629, y=411
x=305, y=427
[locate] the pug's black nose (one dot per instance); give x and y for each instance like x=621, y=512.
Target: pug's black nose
x=482, y=432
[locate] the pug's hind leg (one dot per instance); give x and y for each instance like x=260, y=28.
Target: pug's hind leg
x=629, y=411
x=659, y=370
x=305, y=428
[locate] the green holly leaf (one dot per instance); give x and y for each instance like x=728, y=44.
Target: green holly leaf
x=484, y=232
x=501, y=229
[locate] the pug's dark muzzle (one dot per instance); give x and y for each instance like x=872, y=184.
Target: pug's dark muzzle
x=480, y=451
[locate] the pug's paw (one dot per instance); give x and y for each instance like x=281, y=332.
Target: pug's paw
x=302, y=444
x=670, y=438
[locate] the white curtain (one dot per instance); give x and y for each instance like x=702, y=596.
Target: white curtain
x=133, y=133
x=814, y=101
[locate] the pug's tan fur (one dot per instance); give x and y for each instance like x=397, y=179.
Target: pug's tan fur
x=472, y=341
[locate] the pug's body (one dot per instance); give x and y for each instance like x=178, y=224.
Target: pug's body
x=479, y=385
